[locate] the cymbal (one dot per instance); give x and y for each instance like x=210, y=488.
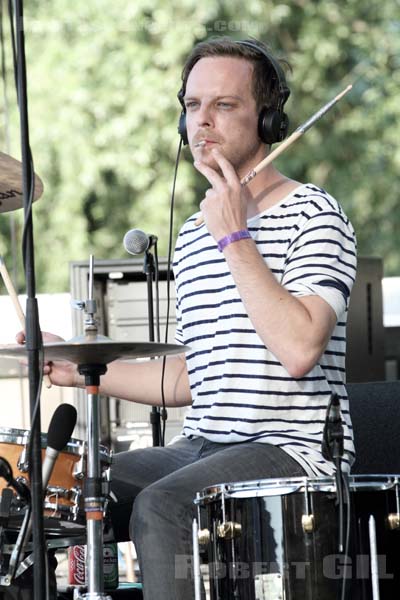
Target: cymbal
x=100, y=350
x=11, y=184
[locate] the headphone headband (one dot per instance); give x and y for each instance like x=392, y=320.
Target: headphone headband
x=284, y=91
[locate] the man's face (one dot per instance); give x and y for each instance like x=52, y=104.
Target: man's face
x=221, y=111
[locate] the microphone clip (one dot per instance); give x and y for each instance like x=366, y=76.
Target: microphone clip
x=333, y=434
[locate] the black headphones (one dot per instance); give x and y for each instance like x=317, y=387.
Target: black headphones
x=273, y=123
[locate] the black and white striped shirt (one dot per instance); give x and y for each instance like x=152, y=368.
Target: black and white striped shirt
x=240, y=391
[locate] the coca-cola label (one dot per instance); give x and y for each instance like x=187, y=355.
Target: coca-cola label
x=77, y=565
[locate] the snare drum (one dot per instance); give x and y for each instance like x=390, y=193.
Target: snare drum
x=277, y=539
x=63, y=498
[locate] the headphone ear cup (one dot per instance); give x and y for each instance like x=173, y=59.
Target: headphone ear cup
x=284, y=126
x=182, y=128
x=272, y=125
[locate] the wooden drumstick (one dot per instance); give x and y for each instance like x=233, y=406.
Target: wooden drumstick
x=17, y=305
x=292, y=138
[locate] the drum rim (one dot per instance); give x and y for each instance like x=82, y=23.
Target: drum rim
x=253, y=489
x=19, y=437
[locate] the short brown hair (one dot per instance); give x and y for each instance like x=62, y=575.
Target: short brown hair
x=266, y=90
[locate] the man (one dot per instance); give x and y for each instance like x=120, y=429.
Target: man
x=262, y=294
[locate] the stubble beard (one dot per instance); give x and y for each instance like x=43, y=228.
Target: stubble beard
x=242, y=159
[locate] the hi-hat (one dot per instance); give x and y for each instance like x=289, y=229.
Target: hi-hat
x=100, y=350
x=11, y=184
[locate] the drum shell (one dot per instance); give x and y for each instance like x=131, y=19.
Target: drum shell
x=275, y=558
x=63, y=499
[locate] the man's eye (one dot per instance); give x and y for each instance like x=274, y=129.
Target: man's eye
x=190, y=104
x=224, y=105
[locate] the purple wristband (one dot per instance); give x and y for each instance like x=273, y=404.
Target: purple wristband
x=233, y=237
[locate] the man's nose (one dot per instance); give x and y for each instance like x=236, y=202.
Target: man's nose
x=204, y=116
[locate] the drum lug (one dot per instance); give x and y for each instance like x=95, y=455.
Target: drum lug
x=393, y=520
x=23, y=463
x=79, y=468
x=229, y=530
x=58, y=492
x=204, y=536
x=23, y=480
x=307, y=522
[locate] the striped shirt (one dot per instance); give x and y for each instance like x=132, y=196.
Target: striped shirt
x=240, y=390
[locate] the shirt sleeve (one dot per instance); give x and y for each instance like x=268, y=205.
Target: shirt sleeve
x=322, y=260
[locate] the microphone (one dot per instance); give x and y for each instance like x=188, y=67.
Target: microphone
x=333, y=434
x=60, y=430
x=137, y=241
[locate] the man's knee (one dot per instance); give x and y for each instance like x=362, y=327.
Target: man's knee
x=155, y=509
x=146, y=506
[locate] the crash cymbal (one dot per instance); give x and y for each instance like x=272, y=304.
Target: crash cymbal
x=11, y=184
x=100, y=350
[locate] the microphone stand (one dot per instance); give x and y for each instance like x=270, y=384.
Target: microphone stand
x=149, y=271
x=33, y=336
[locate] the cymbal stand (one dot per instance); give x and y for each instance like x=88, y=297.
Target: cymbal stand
x=93, y=493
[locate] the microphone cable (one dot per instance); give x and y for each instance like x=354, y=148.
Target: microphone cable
x=169, y=259
x=332, y=450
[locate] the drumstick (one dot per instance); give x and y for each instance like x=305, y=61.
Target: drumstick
x=17, y=305
x=292, y=138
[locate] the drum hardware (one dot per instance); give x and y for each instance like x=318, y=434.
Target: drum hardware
x=60, y=492
x=196, y=560
x=53, y=506
x=23, y=463
x=67, y=477
x=306, y=563
x=307, y=520
x=229, y=530
x=374, y=558
x=16, y=552
x=204, y=536
x=92, y=352
x=23, y=480
x=307, y=523
x=393, y=519
x=79, y=468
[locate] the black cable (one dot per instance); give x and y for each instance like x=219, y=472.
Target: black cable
x=33, y=335
x=171, y=227
x=348, y=525
x=339, y=493
x=157, y=286
x=161, y=428
x=35, y=412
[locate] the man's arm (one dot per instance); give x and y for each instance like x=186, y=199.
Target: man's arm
x=296, y=330
x=138, y=381
x=141, y=381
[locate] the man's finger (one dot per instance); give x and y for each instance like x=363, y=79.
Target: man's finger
x=209, y=173
x=226, y=167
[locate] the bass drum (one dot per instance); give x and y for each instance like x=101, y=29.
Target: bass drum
x=277, y=539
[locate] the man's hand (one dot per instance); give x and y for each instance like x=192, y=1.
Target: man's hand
x=61, y=372
x=224, y=207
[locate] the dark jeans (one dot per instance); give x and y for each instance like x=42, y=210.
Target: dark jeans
x=161, y=483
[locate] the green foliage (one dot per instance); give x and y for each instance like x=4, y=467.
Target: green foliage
x=103, y=79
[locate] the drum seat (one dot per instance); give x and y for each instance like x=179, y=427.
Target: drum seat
x=375, y=413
